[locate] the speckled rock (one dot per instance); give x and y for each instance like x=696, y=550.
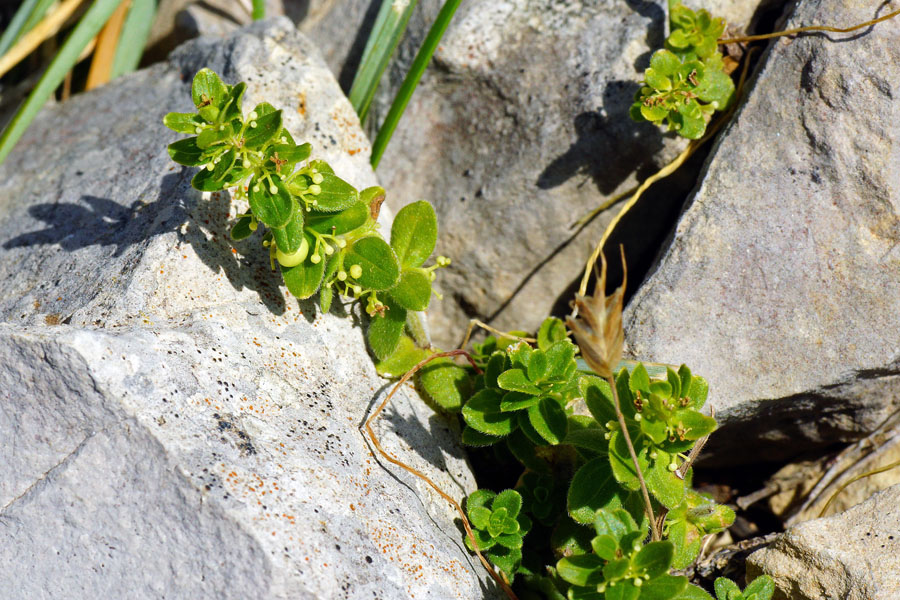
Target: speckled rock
x=520, y=128
x=172, y=423
x=854, y=555
x=782, y=283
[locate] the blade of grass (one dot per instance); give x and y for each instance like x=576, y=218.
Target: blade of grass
x=259, y=9
x=390, y=25
x=107, y=40
x=416, y=70
x=34, y=38
x=16, y=25
x=88, y=27
x=39, y=12
x=134, y=36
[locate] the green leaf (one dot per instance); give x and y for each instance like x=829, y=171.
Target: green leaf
x=208, y=89
x=510, y=500
x=405, y=357
x=665, y=63
x=760, y=588
x=654, y=558
x=241, y=230
x=339, y=223
x=593, y=488
x=232, y=111
x=495, y=366
x=414, y=233
x=552, y=330
x=289, y=238
x=473, y=437
x=446, y=383
x=622, y=465
x=528, y=429
x=537, y=366
x=186, y=152
x=479, y=516
x=657, y=80
x=508, y=560
x=481, y=498
x=385, y=332
x=413, y=291
x=654, y=114
x=686, y=539
x=663, y=587
x=482, y=413
x=592, y=439
x=598, y=398
x=292, y=154
x=674, y=382
x=515, y=380
x=697, y=392
x=583, y=570
x=267, y=126
x=380, y=270
x=183, y=123
x=549, y=419
x=726, y=589
x=220, y=177
x=692, y=592
x=661, y=388
x=273, y=209
x=303, y=280
x=524, y=450
x=336, y=194
x=640, y=380
x=662, y=483
x=513, y=401
x=696, y=424
x=605, y=546
x=560, y=356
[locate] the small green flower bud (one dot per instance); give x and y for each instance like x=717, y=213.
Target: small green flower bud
x=283, y=140
x=245, y=163
x=342, y=243
x=672, y=466
x=253, y=116
x=315, y=190
x=318, y=178
x=356, y=271
x=638, y=582
x=210, y=166
x=357, y=290
x=292, y=260
x=342, y=275
x=252, y=124
x=315, y=259
x=254, y=225
x=329, y=250
x=273, y=189
x=198, y=129
x=638, y=417
x=654, y=454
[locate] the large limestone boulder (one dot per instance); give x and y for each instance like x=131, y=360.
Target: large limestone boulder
x=519, y=129
x=853, y=555
x=172, y=423
x=782, y=283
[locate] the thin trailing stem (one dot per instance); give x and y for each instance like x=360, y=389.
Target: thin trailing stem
x=394, y=460
x=844, y=485
x=416, y=70
x=500, y=334
x=648, y=506
x=766, y=36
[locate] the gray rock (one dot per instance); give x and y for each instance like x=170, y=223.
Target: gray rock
x=853, y=555
x=172, y=423
x=520, y=128
x=782, y=282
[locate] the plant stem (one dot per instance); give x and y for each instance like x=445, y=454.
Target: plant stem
x=259, y=9
x=416, y=70
x=654, y=533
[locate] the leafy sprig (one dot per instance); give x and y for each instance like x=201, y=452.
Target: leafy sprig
x=319, y=229
x=685, y=83
x=499, y=526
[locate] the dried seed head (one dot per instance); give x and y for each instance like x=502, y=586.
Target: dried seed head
x=598, y=328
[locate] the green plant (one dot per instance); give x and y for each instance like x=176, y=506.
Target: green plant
x=321, y=232
x=685, y=83
x=499, y=527
x=760, y=588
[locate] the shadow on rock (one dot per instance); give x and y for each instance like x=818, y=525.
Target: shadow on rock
x=609, y=145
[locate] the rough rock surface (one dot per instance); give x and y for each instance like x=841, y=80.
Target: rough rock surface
x=520, y=128
x=782, y=282
x=854, y=555
x=172, y=424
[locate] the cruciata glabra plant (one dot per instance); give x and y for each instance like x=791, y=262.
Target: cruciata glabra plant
x=320, y=231
x=686, y=82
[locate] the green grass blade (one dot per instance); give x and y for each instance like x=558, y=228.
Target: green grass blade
x=39, y=12
x=416, y=70
x=259, y=9
x=88, y=27
x=11, y=33
x=133, y=38
x=389, y=28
